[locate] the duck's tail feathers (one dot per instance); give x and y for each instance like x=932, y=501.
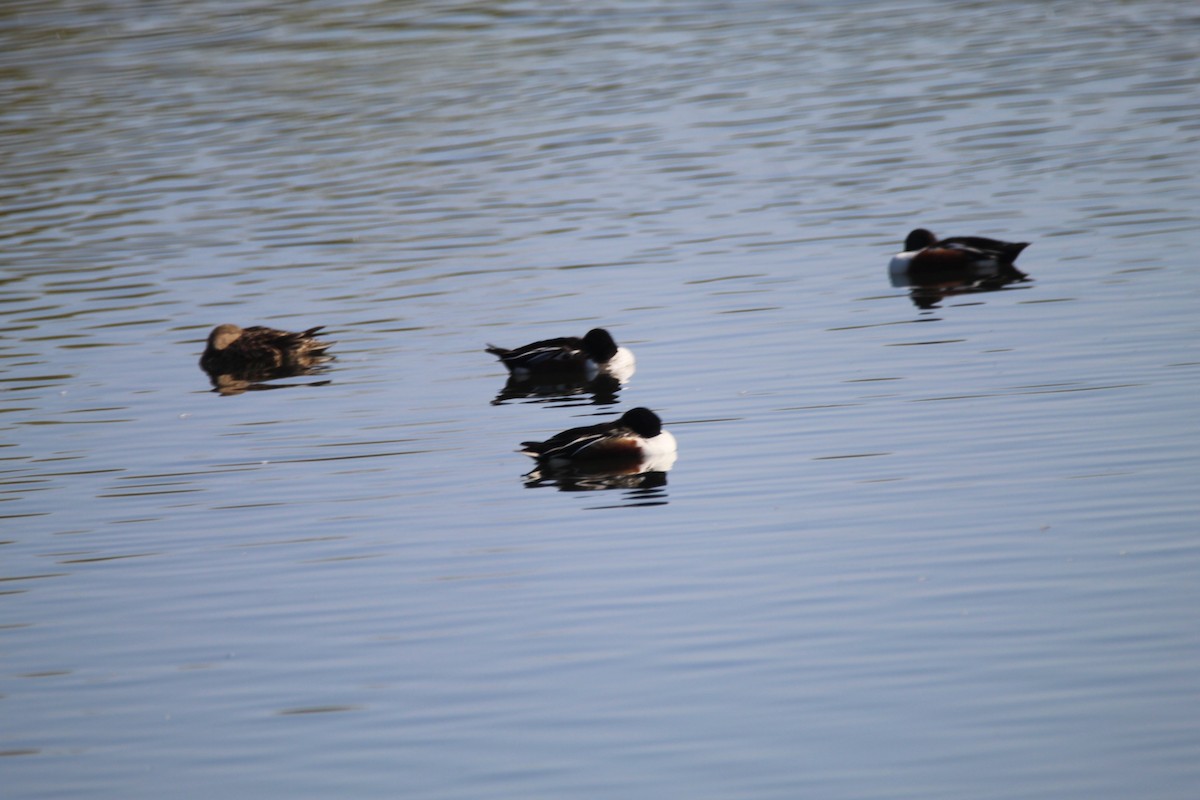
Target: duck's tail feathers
x=1012, y=250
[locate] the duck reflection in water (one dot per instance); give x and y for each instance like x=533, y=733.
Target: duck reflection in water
x=937, y=268
x=640, y=477
x=631, y=452
x=603, y=390
x=238, y=359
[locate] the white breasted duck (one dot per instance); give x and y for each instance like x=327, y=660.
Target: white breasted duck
x=258, y=349
x=927, y=258
x=595, y=353
x=636, y=436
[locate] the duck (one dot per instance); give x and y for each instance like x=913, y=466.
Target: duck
x=926, y=258
x=595, y=353
x=262, y=351
x=637, y=436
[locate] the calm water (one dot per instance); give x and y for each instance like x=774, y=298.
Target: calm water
x=905, y=552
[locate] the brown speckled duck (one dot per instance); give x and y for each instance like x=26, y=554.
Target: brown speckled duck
x=263, y=351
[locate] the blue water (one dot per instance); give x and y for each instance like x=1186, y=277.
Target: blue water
x=905, y=552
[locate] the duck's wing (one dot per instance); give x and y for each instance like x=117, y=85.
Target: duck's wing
x=1006, y=251
x=565, y=442
x=546, y=354
x=606, y=440
x=282, y=347
x=303, y=338
x=262, y=336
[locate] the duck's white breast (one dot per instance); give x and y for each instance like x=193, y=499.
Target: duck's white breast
x=621, y=365
x=659, y=445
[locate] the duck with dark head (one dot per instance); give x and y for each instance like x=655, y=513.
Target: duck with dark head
x=582, y=357
x=928, y=259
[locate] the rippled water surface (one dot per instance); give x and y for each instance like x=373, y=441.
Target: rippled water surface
x=916, y=544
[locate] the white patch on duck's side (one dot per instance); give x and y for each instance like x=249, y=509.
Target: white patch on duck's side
x=898, y=267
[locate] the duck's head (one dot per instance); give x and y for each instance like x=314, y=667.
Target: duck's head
x=223, y=335
x=599, y=344
x=919, y=239
x=643, y=422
